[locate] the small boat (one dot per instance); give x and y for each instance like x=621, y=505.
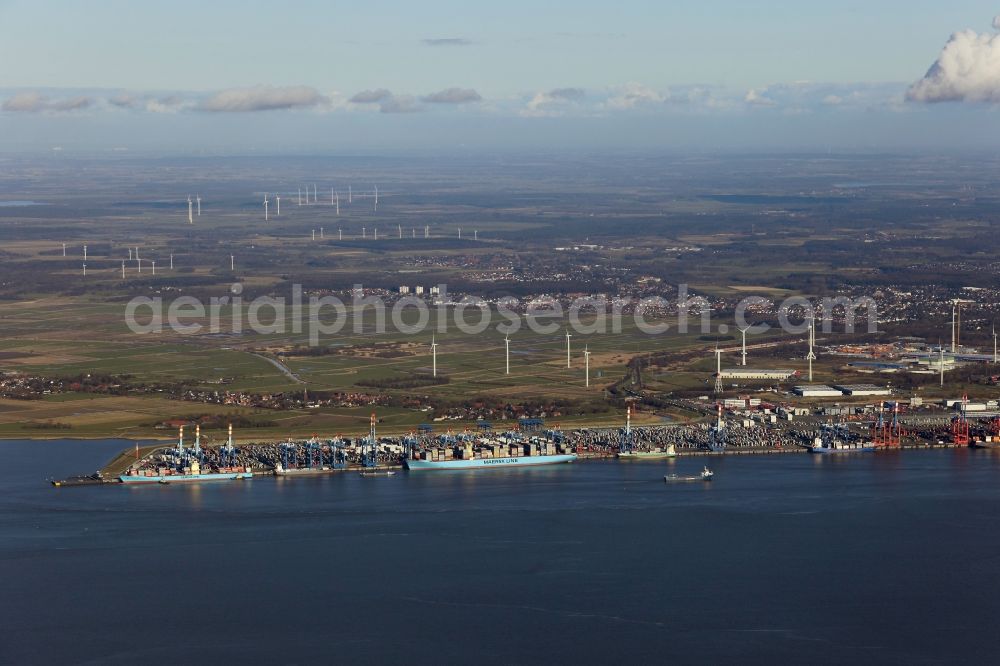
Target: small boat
x=387, y=472
x=706, y=475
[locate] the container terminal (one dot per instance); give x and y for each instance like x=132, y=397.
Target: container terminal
x=531, y=442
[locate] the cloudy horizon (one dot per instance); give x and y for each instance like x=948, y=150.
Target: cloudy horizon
x=943, y=95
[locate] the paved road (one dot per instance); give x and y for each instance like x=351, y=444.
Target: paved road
x=281, y=366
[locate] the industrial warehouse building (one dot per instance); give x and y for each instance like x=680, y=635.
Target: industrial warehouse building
x=863, y=389
x=756, y=373
x=817, y=391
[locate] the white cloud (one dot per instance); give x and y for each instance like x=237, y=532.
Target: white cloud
x=35, y=102
x=632, y=95
x=553, y=102
x=387, y=102
x=758, y=97
x=453, y=96
x=968, y=70
x=262, y=98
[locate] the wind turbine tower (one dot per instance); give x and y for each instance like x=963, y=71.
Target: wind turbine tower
x=941, y=362
x=718, y=371
x=506, y=342
x=123, y=269
x=811, y=356
x=953, y=345
x=586, y=359
x=434, y=357
x=190, y=214
x=994, y=344
x=743, y=358
x=198, y=198
x=277, y=211
x=265, y=208
x=568, y=336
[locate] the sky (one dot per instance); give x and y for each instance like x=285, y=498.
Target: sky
x=242, y=77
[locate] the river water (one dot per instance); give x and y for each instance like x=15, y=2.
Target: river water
x=872, y=558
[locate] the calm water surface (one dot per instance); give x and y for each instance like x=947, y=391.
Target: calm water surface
x=889, y=558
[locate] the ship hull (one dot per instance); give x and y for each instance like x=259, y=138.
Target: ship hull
x=828, y=452
x=305, y=471
x=185, y=478
x=646, y=455
x=488, y=463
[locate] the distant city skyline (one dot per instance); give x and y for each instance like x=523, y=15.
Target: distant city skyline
x=442, y=75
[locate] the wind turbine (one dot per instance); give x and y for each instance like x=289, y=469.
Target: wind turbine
x=586, y=358
x=568, y=336
x=85, y=253
x=941, y=361
x=123, y=269
x=811, y=356
x=190, y=214
x=232, y=262
x=718, y=371
x=300, y=196
x=434, y=357
x=506, y=342
x=265, y=208
x=198, y=198
x=744, y=356
x=277, y=212
x=994, y=344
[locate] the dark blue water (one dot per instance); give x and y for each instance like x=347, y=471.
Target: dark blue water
x=783, y=559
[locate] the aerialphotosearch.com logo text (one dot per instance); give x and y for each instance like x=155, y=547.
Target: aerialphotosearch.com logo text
x=320, y=316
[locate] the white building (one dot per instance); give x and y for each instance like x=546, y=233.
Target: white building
x=817, y=391
x=863, y=389
x=756, y=373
